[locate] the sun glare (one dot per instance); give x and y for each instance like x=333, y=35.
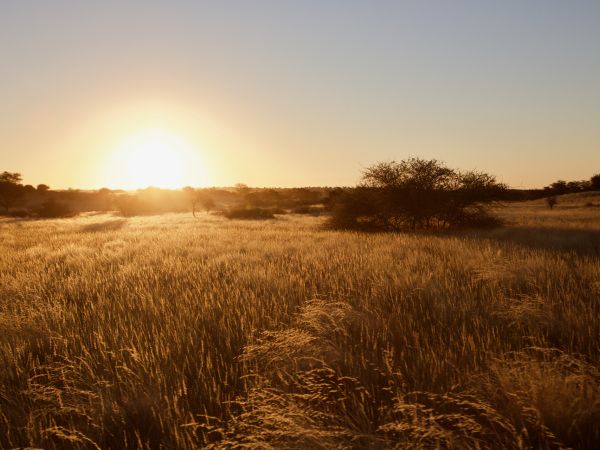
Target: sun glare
x=153, y=157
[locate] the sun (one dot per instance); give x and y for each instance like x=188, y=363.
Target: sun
x=153, y=157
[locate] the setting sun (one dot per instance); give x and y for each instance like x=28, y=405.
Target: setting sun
x=154, y=157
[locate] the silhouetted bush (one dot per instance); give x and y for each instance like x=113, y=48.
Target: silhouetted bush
x=130, y=205
x=476, y=217
x=595, y=182
x=307, y=209
x=11, y=190
x=53, y=209
x=417, y=194
x=264, y=199
x=357, y=208
x=305, y=196
x=563, y=187
x=331, y=198
x=19, y=213
x=280, y=198
x=249, y=213
x=151, y=201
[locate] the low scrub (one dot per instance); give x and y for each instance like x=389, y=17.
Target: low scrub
x=308, y=209
x=249, y=213
x=150, y=201
x=130, y=205
x=20, y=213
x=53, y=209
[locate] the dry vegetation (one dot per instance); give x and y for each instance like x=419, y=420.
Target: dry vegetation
x=175, y=332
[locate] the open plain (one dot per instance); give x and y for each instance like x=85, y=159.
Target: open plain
x=178, y=332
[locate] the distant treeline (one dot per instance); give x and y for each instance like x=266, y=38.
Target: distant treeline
x=20, y=200
x=241, y=201
x=559, y=187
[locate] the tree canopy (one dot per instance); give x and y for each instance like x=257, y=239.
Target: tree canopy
x=417, y=193
x=11, y=189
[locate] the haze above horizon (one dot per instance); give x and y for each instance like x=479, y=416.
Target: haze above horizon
x=277, y=93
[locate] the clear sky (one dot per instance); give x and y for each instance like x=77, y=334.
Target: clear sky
x=296, y=93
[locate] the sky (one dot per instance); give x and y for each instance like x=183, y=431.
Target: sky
x=296, y=93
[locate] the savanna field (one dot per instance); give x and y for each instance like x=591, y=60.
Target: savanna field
x=175, y=332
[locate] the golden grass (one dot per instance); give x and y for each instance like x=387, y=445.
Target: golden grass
x=175, y=332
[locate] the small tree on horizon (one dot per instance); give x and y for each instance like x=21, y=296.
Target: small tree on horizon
x=551, y=201
x=192, y=196
x=241, y=188
x=11, y=189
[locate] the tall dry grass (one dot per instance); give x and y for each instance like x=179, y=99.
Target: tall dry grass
x=174, y=332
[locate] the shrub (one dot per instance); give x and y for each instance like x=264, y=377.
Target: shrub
x=129, y=205
x=53, y=209
x=149, y=201
x=249, y=213
x=476, y=217
x=417, y=193
x=356, y=209
x=306, y=209
x=19, y=213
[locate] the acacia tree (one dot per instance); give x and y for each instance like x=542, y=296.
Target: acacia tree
x=409, y=190
x=11, y=189
x=192, y=195
x=417, y=193
x=198, y=198
x=551, y=201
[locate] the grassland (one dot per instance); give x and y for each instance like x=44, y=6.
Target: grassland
x=175, y=332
